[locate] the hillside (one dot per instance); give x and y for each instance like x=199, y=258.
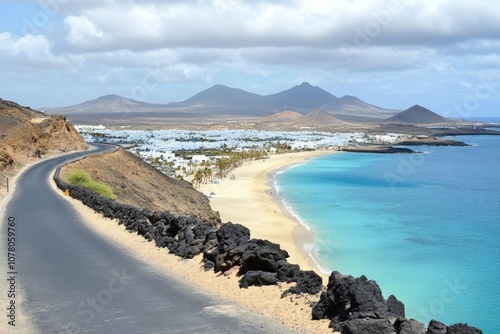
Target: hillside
x=143, y=186
x=417, y=115
x=27, y=134
x=304, y=97
x=108, y=104
x=319, y=119
x=220, y=95
x=351, y=108
x=281, y=117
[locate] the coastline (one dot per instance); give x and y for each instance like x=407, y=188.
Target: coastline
x=293, y=312
x=252, y=200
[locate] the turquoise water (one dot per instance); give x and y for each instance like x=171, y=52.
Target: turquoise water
x=425, y=226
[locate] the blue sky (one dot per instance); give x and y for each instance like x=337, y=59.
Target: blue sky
x=442, y=54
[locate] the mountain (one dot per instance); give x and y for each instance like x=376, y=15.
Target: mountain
x=417, y=115
x=304, y=97
x=222, y=102
x=107, y=104
x=226, y=100
x=319, y=118
x=351, y=108
x=281, y=117
x=220, y=95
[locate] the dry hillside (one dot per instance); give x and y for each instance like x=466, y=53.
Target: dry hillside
x=139, y=184
x=26, y=135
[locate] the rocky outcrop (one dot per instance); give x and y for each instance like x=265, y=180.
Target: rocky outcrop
x=429, y=142
x=377, y=149
x=356, y=305
x=27, y=134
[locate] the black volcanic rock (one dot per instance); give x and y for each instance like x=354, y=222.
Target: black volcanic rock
x=395, y=306
x=366, y=326
x=462, y=329
x=232, y=235
x=436, y=327
x=258, y=278
x=349, y=298
x=404, y=326
x=262, y=255
x=307, y=282
x=287, y=272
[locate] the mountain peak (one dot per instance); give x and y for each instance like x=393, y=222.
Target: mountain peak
x=303, y=97
x=417, y=115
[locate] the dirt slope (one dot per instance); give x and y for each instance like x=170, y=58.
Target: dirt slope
x=139, y=184
x=27, y=134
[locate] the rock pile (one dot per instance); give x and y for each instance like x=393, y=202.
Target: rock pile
x=356, y=306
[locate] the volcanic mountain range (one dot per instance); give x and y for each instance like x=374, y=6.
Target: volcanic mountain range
x=221, y=101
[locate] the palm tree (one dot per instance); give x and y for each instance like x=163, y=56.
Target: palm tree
x=198, y=178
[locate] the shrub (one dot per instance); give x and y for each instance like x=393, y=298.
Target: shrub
x=80, y=177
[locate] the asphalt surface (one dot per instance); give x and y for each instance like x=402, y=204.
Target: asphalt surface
x=74, y=281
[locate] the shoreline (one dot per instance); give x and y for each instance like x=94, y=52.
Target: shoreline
x=293, y=312
x=252, y=200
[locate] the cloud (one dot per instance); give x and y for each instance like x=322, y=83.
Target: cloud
x=30, y=51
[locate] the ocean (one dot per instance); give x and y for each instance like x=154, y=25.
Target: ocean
x=426, y=227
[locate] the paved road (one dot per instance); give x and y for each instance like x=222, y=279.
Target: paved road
x=74, y=281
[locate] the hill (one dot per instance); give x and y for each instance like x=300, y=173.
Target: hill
x=417, y=115
x=281, y=117
x=143, y=186
x=351, y=108
x=319, y=119
x=304, y=97
x=27, y=134
x=220, y=95
x=108, y=104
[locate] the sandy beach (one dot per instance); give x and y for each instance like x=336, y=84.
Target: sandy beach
x=251, y=200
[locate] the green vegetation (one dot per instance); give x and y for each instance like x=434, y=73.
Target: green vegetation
x=80, y=177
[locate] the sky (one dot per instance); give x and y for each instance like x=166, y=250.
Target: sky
x=441, y=54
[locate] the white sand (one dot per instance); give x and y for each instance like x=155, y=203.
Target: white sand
x=251, y=200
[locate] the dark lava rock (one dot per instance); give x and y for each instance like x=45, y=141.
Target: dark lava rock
x=258, y=278
x=404, y=326
x=262, y=255
x=366, y=326
x=287, y=272
x=396, y=307
x=348, y=298
x=232, y=235
x=436, y=327
x=463, y=329
x=307, y=282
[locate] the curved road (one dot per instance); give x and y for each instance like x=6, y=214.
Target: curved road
x=74, y=281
